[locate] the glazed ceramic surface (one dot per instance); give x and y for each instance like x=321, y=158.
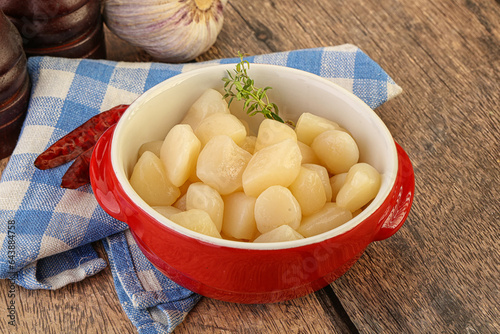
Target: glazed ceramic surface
x=251, y=272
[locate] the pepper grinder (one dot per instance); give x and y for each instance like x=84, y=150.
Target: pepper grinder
x=14, y=86
x=59, y=28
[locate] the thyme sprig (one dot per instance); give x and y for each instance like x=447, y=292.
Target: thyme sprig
x=240, y=86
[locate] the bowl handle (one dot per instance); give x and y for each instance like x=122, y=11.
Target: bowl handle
x=102, y=178
x=403, y=196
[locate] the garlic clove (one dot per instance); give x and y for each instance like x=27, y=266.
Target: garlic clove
x=169, y=30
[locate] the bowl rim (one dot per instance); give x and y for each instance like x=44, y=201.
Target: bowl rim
x=120, y=173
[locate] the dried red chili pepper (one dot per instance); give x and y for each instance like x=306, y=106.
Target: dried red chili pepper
x=77, y=174
x=79, y=140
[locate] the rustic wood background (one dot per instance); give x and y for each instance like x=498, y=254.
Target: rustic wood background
x=440, y=272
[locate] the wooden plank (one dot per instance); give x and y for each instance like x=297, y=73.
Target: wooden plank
x=444, y=276
x=302, y=315
x=440, y=272
x=89, y=306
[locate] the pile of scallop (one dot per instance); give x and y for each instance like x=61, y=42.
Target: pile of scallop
x=210, y=174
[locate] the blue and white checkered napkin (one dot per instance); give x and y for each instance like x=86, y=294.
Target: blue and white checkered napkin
x=46, y=231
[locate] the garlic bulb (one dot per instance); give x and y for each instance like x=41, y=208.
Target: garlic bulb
x=169, y=30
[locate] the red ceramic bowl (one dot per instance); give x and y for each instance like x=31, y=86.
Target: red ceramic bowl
x=251, y=272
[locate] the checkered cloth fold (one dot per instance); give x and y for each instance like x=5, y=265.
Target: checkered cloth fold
x=46, y=231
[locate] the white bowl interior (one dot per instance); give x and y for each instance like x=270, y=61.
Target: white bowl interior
x=152, y=115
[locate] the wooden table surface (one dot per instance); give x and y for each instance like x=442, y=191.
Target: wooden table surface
x=440, y=272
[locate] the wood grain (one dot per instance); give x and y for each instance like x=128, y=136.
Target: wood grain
x=440, y=272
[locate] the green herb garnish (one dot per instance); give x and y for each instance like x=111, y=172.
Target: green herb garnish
x=240, y=86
